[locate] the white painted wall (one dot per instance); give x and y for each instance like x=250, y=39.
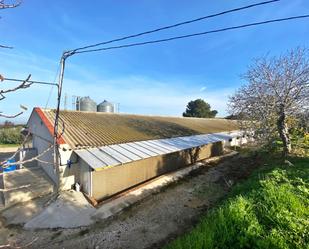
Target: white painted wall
x=68, y=174
x=85, y=177
x=41, y=141
x=25, y=154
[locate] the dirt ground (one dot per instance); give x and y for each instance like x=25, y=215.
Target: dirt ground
x=152, y=222
x=6, y=153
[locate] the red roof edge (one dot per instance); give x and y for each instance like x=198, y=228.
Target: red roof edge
x=48, y=124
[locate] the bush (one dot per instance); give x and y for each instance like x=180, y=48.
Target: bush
x=10, y=135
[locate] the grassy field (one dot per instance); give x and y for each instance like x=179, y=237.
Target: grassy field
x=269, y=210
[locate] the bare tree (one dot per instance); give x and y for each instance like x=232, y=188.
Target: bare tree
x=277, y=90
x=5, y=5
x=23, y=85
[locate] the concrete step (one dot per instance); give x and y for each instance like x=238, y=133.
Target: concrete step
x=25, y=184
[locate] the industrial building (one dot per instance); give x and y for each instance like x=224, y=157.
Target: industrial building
x=107, y=153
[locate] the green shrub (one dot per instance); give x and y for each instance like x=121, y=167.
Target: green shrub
x=10, y=135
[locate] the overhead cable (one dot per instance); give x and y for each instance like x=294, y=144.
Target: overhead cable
x=192, y=35
x=175, y=25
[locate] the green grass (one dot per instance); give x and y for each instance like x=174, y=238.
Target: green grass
x=269, y=210
x=9, y=145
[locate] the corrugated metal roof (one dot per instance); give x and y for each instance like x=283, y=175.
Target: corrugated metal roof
x=128, y=152
x=92, y=129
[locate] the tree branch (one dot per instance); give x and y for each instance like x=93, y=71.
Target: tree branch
x=10, y=116
x=23, y=85
x=4, y=46
x=3, y=5
x=276, y=92
x=4, y=164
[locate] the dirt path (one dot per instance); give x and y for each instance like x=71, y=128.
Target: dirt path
x=152, y=222
x=9, y=149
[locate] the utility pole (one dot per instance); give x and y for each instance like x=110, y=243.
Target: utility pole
x=64, y=56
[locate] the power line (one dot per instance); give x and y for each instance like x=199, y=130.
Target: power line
x=175, y=25
x=52, y=87
x=192, y=35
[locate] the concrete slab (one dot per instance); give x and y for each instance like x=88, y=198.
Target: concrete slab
x=70, y=210
x=25, y=184
x=20, y=214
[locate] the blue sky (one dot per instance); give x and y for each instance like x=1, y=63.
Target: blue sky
x=155, y=79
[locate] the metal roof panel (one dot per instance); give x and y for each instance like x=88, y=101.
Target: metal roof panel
x=130, y=148
x=114, y=155
x=89, y=158
x=93, y=129
x=162, y=145
x=140, y=146
x=104, y=157
x=125, y=152
x=153, y=147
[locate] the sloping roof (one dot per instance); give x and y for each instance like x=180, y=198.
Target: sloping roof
x=92, y=129
x=112, y=155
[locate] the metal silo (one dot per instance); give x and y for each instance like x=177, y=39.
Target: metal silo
x=86, y=104
x=106, y=106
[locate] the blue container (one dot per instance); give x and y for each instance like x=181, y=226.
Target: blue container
x=10, y=168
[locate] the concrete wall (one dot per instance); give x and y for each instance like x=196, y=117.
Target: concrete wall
x=113, y=180
x=84, y=177
x=26, y=154
x=41, y=140
x=69, y=173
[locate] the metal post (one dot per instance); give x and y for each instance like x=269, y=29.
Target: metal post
x=64, y=56
x=56, y=145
